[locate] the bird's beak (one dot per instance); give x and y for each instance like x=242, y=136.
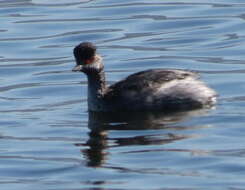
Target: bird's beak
x=77, y=68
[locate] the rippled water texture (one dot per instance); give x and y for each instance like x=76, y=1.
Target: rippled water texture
x=49, y=141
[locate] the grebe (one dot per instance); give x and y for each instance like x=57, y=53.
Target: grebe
x=165, y=90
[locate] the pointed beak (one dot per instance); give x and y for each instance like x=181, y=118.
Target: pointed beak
x=77, y=68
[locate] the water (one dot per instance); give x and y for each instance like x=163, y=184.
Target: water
x=48, y=139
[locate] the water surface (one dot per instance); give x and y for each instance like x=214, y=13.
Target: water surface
x=50, y=141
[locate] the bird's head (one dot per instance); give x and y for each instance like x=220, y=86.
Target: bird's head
x=86, y=58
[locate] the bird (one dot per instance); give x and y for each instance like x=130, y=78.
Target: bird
x=165, y=90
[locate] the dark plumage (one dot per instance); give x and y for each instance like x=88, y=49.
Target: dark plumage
x=150, y=90
x=151, y=79
x=141, y=91
x=84, y=51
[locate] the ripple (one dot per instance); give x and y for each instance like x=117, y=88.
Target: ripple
x=16, y=86
x=22, y=15
x=45, y=3
x=217, y=60
x=60, y=35
x=50, y=141
x=46, y=139
x=162, y=171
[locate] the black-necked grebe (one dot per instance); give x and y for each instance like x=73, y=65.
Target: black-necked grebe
x=151, y=90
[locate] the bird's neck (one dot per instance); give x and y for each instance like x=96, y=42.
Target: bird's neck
x=96, y=90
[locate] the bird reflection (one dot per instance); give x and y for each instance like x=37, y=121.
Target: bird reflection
x=101, y=123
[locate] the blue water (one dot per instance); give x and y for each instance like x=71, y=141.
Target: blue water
x=48, y=140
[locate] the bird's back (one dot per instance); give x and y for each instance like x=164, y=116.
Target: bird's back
x=159, y=89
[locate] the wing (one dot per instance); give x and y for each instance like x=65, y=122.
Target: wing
x=145, y=82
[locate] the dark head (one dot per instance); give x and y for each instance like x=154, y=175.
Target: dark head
x=84, y=53
x=85, y=56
